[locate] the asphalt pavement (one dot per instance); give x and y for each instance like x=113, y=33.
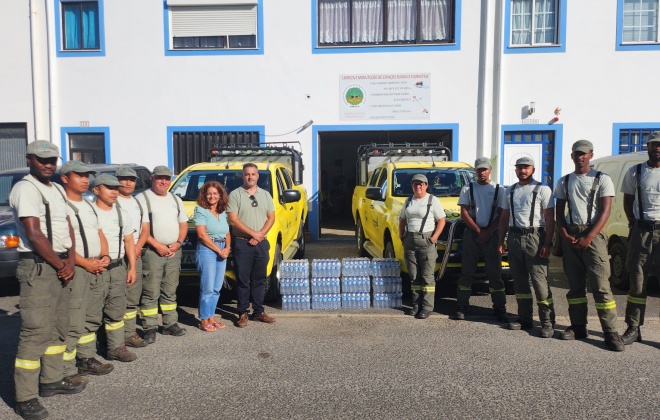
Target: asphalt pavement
x=375, y=364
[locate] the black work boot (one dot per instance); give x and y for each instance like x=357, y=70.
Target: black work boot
x=150, y=336
x=631, y=335
x=575, y=332
x=547, y=330
x=413, y=311
x=613, y=341
x=92, y=366
x=174, y=330
x=520, y=325
x=31, y=409
x=121, y=354
x=461, y=310
x=423, y=314
x=501, y=315
x=61, y=387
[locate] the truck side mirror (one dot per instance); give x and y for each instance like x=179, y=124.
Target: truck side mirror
x=291, y=196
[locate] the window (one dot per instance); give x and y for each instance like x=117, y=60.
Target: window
x=213, y=25
x=193, y=146
x=535, y=26
x=81, y=25
x=87, y=147
x=545, y=168
x=13, y=145
x=634, y=140
x=385, y=22
x=640, y=21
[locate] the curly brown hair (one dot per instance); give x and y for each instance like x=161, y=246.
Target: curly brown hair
x=222, y=202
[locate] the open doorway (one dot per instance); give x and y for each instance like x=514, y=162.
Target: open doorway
x=337, y=164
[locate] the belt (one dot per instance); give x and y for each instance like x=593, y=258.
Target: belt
x=648, y=224
x=578, y=228
x=221, y=240
x=37, y=259
x=241, y=237
x=525, y=231
x=115, y=263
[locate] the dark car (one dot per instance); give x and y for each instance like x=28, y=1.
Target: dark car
x=8, y=233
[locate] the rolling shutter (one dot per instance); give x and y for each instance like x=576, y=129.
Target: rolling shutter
x=216, y=20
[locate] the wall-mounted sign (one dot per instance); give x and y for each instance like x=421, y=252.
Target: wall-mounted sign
x=385, y=96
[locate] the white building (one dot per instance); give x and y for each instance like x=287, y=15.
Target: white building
x=158, y=81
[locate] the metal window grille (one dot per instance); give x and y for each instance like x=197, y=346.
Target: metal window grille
x=193, y=146
x=547, y=139
x=13, y=145
x=631, y=141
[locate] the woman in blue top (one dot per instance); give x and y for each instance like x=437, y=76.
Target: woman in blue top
x=212, y=250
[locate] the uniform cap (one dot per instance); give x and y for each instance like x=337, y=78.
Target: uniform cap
x=107, y=180
x=125, y=171
x=654, y=137
x=420, y=177
x=482, y=163
x=526, y=161
x=43, y=149
x=77, y=167
x=162, y=170
x=584, y=146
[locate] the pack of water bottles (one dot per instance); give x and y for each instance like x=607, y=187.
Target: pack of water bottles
x=295, y=302
x=388, y=300
x=386, y=284
x=356, y=284
x=326, y=301
x=356, y=300
x=294, y=269
x=385, y=267
x=330, y=267
x=325, y=285
x=356, y=267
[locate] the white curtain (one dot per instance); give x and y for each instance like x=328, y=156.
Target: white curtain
x=401, y=18
x=334, y=21
x=435, y=20
x=521, y=22
x=367, y=21
x=545, y=28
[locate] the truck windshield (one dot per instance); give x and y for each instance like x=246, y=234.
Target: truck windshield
x=444, y=182
x=188, y=185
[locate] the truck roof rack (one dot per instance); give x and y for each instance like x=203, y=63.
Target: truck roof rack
x=404, y=149
x=263, y=152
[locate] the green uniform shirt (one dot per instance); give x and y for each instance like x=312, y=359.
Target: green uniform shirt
x=252, y=216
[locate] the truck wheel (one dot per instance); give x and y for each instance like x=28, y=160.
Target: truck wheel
x=359, y=237
x=388, y=252
x=272, y=292
x=301, y=242
x=619, y=276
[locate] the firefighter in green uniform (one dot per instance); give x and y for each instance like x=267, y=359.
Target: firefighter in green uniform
x=480, y=203
x=161, y=262
x=588, y=195
x=641, y=193
x=91, y=246
x=528, y=215
x=47, y=265
x=127, y=178
x=419, y=234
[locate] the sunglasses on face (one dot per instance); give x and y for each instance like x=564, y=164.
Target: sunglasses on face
x=46, y=161
x=254, y=201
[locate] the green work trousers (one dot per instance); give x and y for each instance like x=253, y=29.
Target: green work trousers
x=44, y=304
x=643, y=258
x=493, y=266
x=80, y=288
x=107, y=304
x=420, y=256
x=526, y=265
x=589, y=266
x=133, y=293
x=160, y=281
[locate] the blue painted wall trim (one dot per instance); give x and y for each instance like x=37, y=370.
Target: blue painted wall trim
x=313, y=192
x=59, y=46
x=212, y=128
x=64, y=137
x=559, y=48
x=617, y=127
x=620, y=45
x=455, y=46
x=257, y=51
x=559, y=141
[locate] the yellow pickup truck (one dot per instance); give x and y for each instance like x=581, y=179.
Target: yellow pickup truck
x=384, y=173
x=280, y=173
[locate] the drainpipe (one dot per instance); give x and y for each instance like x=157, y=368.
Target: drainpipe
x=497, y=87
x=484, y=106
x=40, y=65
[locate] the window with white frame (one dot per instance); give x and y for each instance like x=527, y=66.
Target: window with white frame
x=640, y=21
x=634, y=140
x=80, y=25
x=534, y=22
x=385, y=22
x=213, y=24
